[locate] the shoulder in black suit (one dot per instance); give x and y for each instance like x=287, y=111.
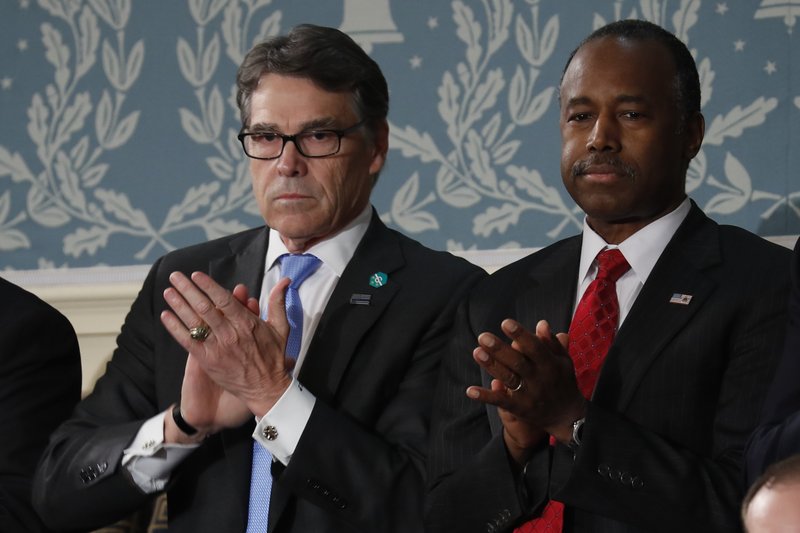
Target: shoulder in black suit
x=778, y=435
x=40, y=382
x=360, y=463
x=678, y=395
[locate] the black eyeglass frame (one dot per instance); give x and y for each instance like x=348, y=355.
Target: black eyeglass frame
x=293, y=138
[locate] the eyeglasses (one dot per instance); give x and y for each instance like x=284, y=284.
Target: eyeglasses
x=311, y=143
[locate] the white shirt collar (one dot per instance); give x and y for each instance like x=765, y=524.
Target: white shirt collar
x=334, y=252
x=641, y=250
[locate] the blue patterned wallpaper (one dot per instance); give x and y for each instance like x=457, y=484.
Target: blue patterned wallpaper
x=118, y=121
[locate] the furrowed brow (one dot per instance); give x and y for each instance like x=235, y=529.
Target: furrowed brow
x=578, y=100
x=631, y=99
x=314, y=124
x=318, y=124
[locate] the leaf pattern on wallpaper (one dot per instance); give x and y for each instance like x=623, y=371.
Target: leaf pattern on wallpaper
x=213, y=206
x=476, y=168
x=75, y=124
x=483, y=112
x=64, y=187
x=474, y=101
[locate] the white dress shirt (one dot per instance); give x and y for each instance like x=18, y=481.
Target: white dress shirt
x=641, y=250
x=150, y=461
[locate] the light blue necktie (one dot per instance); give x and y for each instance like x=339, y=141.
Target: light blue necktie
x=297, y=268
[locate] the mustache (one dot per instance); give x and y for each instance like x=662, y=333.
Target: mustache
x=581, y=166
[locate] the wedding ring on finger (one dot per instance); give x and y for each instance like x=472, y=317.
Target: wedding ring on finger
x=200, y=333
x=518, y=387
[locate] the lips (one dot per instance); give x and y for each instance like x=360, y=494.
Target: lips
x=601, y=169
x=289, y=195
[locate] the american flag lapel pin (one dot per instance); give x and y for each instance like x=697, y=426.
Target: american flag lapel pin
x=681, y=299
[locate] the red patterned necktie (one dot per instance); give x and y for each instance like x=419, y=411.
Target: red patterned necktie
x=590, y=336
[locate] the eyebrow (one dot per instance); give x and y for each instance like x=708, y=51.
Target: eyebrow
x=314, y=124
x=621, y=99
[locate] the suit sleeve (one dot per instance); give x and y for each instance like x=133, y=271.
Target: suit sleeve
x=778, y=435
x=40, y=379
x=80, y=483
x=372, y=474
x=474, y=485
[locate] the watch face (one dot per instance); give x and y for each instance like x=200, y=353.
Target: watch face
x=577, y=433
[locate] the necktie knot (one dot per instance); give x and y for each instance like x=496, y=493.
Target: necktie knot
x=297, y=267
x=611, y=265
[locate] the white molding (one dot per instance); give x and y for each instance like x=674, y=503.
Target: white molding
x=491, y=260
x=98, y=275
x=784, y=240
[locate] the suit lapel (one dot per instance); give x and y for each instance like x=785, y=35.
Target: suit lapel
x=344, y=323
x=654, y=320
x=245, y=264
x=551, y=292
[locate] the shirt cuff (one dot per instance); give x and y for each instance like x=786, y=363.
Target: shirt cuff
x=280, y=429
x=148, y=460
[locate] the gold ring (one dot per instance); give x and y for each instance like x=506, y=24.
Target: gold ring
x=200, y=333
x=518, y=387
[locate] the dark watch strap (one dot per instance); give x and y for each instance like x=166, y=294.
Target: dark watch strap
x=182, y=424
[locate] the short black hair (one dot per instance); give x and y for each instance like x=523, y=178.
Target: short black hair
x=687, y=80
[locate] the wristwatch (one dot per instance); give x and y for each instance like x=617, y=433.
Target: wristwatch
x=577, y=432
x=182, y=424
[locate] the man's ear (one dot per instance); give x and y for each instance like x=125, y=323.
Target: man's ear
x=380, y=146
x=695, y=130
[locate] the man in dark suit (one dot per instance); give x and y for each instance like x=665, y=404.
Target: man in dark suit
x=654, y=441
x=348, y=428
x=40, y=383
x=778, y=435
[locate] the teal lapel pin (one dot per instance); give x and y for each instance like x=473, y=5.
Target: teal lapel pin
x=378, y=279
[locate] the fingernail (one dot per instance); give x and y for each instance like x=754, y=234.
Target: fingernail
x=488, y=341
x=472, y=393
x=483, y=356
x=511, y=326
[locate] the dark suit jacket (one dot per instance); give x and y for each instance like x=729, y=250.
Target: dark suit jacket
x=360, y=463
x=678, y=394
x=778, y=436
x=40, y=383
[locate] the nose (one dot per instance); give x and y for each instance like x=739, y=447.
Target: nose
x=604, y=136
x=291, y=162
